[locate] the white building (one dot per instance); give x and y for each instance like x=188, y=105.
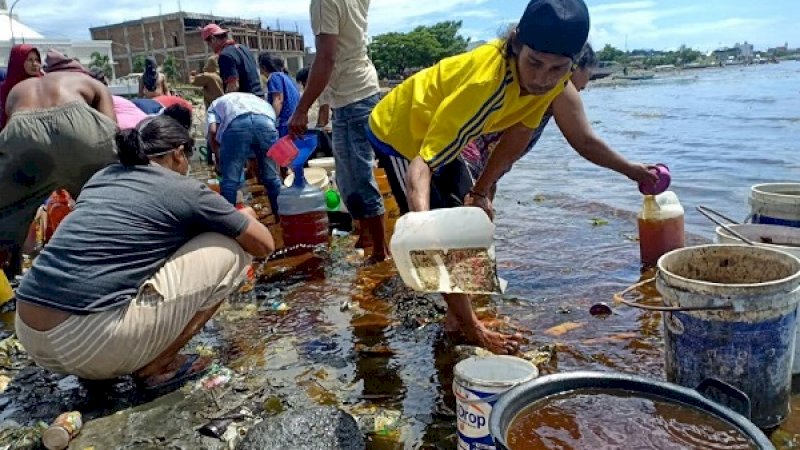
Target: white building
x=12, y=32
x=746, y=50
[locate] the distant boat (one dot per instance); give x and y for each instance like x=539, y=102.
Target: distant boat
x=664, y=68
x=635, y=76
x=603, y=70
x=697, y=66
x=599, y=73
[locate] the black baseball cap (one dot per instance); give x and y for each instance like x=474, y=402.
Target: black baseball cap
x=560, y=27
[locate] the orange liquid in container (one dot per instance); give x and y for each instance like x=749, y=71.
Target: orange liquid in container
x=303, y=213
x=309, y=228
x=661, y=227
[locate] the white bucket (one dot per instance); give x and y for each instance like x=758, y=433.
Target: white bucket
x=478, y=383
x=776, y=204
x=329, y=164
x=315, y=176
x=777, y=235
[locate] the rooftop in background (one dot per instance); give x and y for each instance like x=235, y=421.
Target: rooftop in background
x=206, y=18
x=176, y=36
x=9, y=24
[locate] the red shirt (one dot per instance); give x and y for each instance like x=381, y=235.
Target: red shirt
x=171, y=100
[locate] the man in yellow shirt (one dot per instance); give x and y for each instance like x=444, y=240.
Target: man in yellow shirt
x=419, y=129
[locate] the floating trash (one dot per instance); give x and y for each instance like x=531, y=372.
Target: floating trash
x=600, y=309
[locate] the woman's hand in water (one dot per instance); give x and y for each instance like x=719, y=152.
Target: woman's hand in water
x=481, y=201
x=641, y=173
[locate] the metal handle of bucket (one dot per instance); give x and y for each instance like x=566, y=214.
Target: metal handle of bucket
x=725, y=394
x=619, y=297
x=709, y=213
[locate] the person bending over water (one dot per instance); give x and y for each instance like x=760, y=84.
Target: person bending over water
x=143, y=261
x=420, y=128
x=60, y=132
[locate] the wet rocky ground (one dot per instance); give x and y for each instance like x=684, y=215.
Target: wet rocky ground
x=323, y=350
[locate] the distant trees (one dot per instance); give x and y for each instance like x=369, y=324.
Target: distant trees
x=395, y=53
x=171, y=69
x=101, y=62
x=138, y=64
x=611, y=53
x=650, y=58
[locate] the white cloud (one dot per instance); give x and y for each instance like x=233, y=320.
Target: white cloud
x=385, y=15
x=612, y=7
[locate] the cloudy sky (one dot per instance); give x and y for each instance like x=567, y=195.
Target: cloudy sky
x=659, y=24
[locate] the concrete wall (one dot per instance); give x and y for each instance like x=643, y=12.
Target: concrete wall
x=179, y=35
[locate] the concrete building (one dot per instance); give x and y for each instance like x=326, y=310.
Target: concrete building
x=745, y=51
x=12, y=31
x=178, y=35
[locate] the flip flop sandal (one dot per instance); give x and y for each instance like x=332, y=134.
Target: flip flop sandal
x=182, y=375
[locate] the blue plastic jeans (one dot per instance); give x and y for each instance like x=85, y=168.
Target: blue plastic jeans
x=354, y=158
x=249, y=136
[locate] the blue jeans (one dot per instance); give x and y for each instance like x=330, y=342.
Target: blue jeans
x=354, y=159
x=246, y=137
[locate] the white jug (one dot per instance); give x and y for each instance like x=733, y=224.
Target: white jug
x=447, y=250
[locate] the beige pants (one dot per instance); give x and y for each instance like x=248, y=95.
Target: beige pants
x=118, y=342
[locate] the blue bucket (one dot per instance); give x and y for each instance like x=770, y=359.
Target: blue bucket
x=733, y=317
x=775, y=204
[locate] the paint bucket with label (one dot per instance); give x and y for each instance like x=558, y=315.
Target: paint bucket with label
x=478, y=384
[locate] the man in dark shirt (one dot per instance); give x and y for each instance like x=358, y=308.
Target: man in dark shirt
x=237, y=67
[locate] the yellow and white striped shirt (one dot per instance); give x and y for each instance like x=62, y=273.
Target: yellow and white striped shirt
x=436, y=112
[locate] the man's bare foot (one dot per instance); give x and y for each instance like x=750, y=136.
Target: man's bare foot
x=480, y=336
x=497, y=343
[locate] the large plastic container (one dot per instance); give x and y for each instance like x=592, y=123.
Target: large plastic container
x=776, y=204
x=303, y=213
x=661, y=227
x=749, y=345
x=477, y=385
x=526, y=394
x=447, y=250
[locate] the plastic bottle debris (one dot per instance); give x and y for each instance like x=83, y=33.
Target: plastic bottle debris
x=381, y=422
x=217, y=376
x=276, y=305
x=62, y=431
x=340, y=233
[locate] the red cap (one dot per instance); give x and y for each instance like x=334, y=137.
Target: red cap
x=212, y=29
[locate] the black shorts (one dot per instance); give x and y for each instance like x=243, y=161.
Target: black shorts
x=449, y=185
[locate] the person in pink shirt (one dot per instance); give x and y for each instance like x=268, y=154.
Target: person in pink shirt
x=128, y=115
